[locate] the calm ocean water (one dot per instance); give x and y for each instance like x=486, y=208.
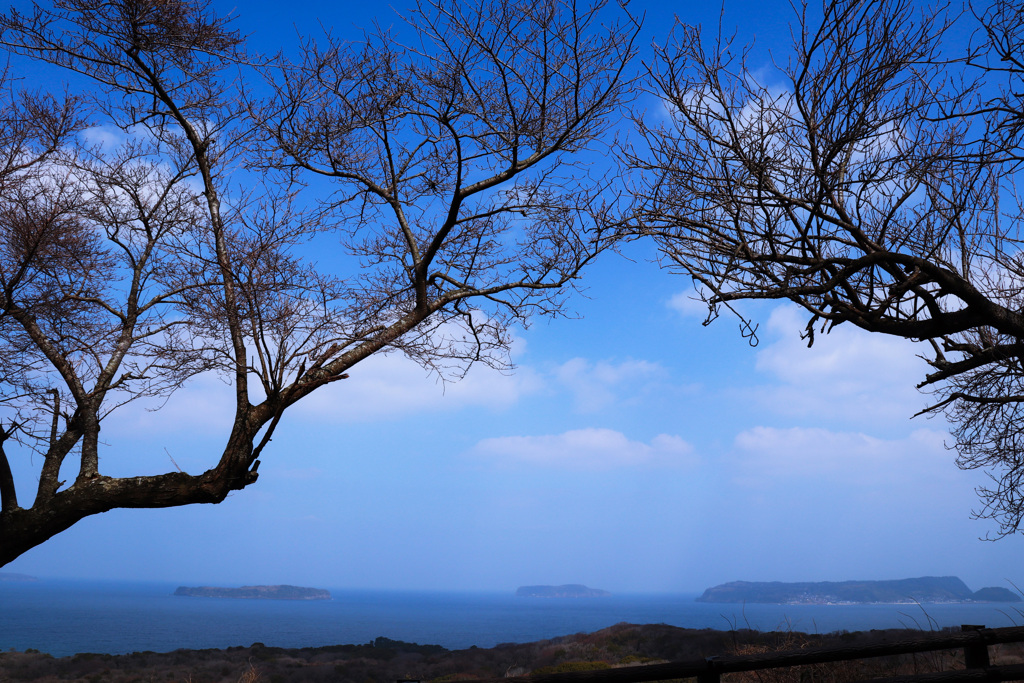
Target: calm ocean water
x=67, y=617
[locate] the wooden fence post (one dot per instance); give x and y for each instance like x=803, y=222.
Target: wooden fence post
x=975, y=654
x=711, y=675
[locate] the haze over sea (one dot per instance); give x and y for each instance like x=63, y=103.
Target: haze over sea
x=67, y=617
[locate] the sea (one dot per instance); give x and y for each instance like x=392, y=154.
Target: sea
x=64, y=617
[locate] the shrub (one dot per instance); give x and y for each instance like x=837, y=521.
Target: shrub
x=566, y=667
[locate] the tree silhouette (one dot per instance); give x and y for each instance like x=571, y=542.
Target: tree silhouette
x=870, y=179
x=458, y=197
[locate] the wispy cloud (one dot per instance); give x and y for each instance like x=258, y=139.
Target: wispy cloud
x=598, y=385
x=688, y=304
x=107, y=138
x=765, y=456
x=587, y=449
x=848, y=373
x=203, y=406
x=387, y=387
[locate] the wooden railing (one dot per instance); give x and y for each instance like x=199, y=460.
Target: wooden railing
x=973, y=640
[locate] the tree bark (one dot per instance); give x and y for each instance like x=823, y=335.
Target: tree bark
x=8, y=493
x=23, y=529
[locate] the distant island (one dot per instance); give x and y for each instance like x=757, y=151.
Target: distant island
x=931, y=589
x=572, y=590
x=10, y=576
x=256, y=592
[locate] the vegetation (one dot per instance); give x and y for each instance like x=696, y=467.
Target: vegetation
x=924, y=589
x=282, y=592
x=571, y=590
x=385, y=661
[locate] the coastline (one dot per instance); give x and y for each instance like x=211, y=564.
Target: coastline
x=68, y=617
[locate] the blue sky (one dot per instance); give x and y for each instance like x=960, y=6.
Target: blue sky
x=632, y=449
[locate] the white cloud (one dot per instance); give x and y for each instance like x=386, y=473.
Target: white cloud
x=587, y=449
x=597, y=385
x=390, y=386
x=848, y=374
x=765, y=456
x=688, y=304
x=385, y=387
x=204, y=405
x=379, y=388
x=107, y=138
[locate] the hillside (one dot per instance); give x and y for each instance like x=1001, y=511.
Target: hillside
x=926, y=589
x=384, y=660
x=283, y=592
x=571, y=590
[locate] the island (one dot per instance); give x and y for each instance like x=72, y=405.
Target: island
x=571, y=590
x=255, y=592
x=929, y=589
x=10, y=576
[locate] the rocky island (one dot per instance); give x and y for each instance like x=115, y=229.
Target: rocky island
x=571, y=590
x=256, y=592
x=929, y=589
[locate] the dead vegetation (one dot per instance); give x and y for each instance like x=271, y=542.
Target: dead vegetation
x=385, y=661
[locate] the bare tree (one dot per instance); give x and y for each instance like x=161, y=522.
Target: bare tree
x=33, y=130
x=870, y=178
x=461, y=199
